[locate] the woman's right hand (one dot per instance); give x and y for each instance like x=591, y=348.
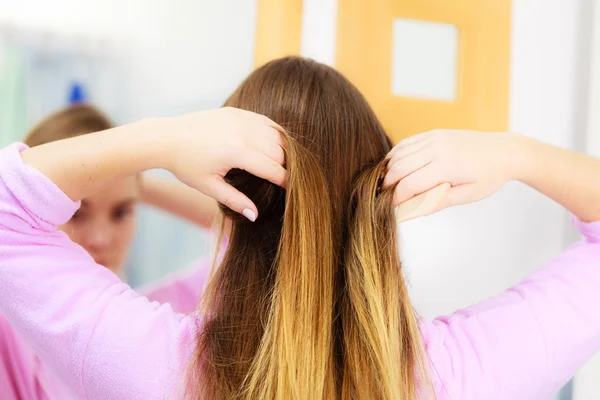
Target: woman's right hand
x=208, y=144
x=199, y=149
x=476, y=164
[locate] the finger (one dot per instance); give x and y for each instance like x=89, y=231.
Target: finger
x=408, y=150
x=261, y=118
x=260, y=165
x=277, y=134
x=226, y=194
x=268, y=135
x=400, y=169
x=270, y=148
x=274, y=130
x=417, y=183
x=458, y=195
x=422, y=204
x=411, y=140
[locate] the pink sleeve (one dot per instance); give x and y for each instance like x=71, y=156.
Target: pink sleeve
x=527, y=342
x=182, y=291
x=99, y=336
x=17, y=365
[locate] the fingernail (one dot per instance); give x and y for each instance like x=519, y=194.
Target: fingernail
x=248, y=213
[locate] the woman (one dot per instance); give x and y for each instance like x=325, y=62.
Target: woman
x=309, y=300
x=104, y=227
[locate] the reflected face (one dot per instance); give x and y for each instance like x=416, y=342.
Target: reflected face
x=105, y=223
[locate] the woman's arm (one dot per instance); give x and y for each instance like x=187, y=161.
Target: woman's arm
x=179, y=199
x=477, y=164
x=529, y=341
x=85, y=163
x=94, y=331
x=199, y=149
x=572, y=179
x=71, y=310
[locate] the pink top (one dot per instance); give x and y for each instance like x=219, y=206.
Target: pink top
x=24, y=376
x=105, y=341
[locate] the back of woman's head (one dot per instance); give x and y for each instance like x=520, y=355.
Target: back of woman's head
x=309, y=300
x=67, y=123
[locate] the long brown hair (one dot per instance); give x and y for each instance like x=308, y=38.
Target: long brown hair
x=309, y=301
x=67, y=123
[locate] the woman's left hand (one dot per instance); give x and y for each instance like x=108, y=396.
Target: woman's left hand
x=475, y=164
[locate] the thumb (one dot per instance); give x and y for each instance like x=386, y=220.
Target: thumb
x=422, y=204
x=458, y=195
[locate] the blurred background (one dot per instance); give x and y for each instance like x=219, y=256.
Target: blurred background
x=521, y=65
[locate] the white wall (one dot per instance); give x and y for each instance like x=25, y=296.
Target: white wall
x=587, y=382
x=178, y=54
